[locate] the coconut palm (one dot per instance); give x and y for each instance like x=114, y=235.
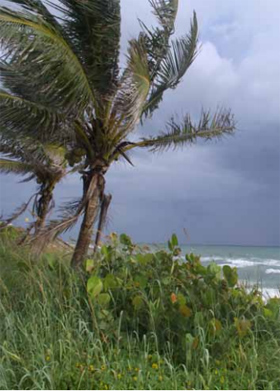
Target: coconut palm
x=63, y=56
x=44, y=163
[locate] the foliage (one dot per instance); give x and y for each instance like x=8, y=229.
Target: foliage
x=161, y=293
x=139, y=320
x=43, y=162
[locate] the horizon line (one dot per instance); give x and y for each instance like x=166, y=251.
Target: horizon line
x=218, y=245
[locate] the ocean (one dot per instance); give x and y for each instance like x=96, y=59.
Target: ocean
x=255, y=265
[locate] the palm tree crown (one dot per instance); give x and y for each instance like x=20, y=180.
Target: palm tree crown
x=44, y=163
x=62, y=82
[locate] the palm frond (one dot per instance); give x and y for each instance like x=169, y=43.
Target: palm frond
x=165, y=11
x=157, y=39
x=93, y=27
x=178, y=134
x=37, y=7
x=22, y=117
x=41, y=51
x=46, y=163
x=133, y=90
x=173, y=67
x=18, y=212
x=15, y=167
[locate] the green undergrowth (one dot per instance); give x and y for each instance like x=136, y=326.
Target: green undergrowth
x=132, y=319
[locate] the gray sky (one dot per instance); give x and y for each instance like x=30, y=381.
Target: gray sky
x=225, y=192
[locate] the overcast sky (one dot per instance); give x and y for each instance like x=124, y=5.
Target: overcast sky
x=225, y=192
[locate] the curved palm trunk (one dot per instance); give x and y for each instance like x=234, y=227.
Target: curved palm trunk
x=102, y=219
x=44, y=206
x=93, y=189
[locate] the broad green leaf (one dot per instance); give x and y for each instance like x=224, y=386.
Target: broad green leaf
x=141, y=281
x=125, y=240
x=89, y=265
x=144, y=259
x=209, y=297
x=166, y=280
x=170, y=246
x=105, y=251
x=174, y=240
x=214, y=269
x=94, y=286
x=110, y=282
x=181, y=299
x=267, y=313
x=104, y=299
x=230, y=275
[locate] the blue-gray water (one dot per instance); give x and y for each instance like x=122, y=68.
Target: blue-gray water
x=255, y=264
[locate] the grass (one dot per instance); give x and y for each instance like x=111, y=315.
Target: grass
x=49, y=339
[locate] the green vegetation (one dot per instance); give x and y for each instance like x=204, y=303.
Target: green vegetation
x=132, y=319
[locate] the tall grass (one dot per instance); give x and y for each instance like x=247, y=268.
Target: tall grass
x=49, y=340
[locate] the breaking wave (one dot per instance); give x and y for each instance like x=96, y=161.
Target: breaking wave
x=243, y=262
x=272, y=271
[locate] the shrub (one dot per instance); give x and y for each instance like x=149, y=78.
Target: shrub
x=186, y=305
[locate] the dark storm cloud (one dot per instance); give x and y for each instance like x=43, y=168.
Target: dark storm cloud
x=224, y=192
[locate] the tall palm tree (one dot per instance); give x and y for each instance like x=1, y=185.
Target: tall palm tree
x=44, y=163
x=65, y=56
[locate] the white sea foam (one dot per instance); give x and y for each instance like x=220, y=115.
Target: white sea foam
x=272, y=271
x=214, y=258
x=243, y=262
x=270, y=293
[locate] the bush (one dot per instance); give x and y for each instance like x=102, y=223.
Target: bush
x=133, y=318
x=186, y=305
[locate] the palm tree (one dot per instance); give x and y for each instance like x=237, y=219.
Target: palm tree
x=64, y=56
x=44, y=163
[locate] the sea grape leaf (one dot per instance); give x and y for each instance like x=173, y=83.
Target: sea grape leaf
x=174, y=240
x=110, y=282
x=94, y=286
x=125, y=240
x=214, y=269
x=181, y=299
x=104, y=299
x=89, y=265
x=267, y=313
x=144, y=259
x=141, y=281
x=230, y=275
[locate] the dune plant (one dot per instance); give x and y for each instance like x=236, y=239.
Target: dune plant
x=62, y=58
x=163, y=322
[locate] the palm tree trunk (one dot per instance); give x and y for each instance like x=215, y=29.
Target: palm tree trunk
x=93, y=188
x=102, y=219
x=44, y=207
